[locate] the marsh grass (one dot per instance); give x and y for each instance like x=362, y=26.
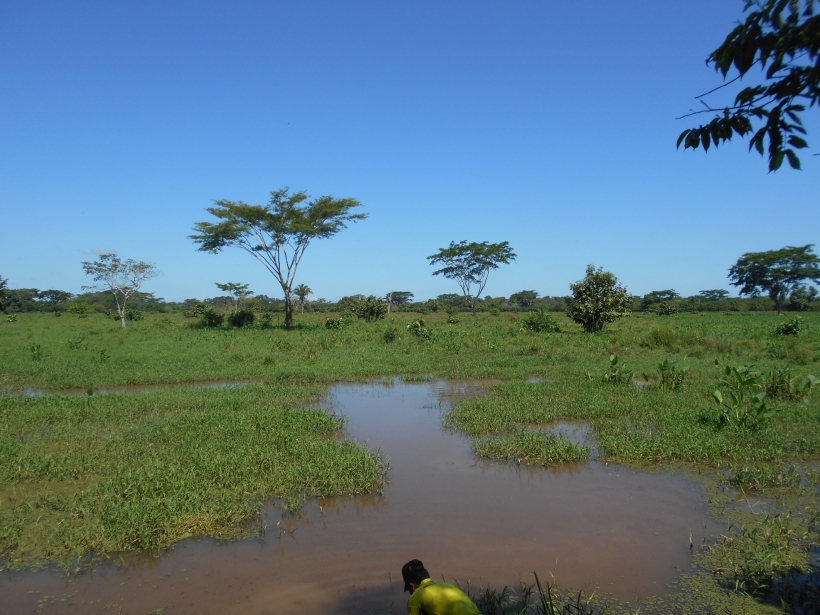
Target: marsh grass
x=101, y=474
x=532, y=448
x=141, y=472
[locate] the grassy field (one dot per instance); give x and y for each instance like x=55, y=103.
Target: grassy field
x=105, y=473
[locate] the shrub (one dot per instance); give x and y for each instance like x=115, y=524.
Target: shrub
x=540, y=321
x=390, y=335
x=80, y=308
x=419, y=329
x=370, y=308
x=242, y=318
x=780, y=384
x=793, y=326
x=671, y=375
x=666, y=309
x=134, y=315
x=332, y=322
x=212, y=318
x=597, y=300
x=198, y=310
x=452, y=319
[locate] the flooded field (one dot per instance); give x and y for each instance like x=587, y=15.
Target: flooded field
x=590, y=525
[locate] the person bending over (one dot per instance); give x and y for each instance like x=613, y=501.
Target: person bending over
x=428, y=598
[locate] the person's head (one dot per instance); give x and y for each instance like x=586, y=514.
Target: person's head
x=413, y=573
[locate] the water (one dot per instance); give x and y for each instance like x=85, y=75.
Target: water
x=589, y=525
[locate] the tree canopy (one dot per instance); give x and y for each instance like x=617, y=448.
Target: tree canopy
x=776, y=272
x=524, y=298
x=470, y=264
x=714, y=295
x=276, y=234
x=782, y=39
x=237, y=291
x=121, y=278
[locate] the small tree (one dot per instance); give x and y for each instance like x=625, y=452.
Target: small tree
x=4, y=285
x=123, y=279
x=276, y=234
x=302, y=291
x=470, y=264
x=776, y=272
x=397, y=297
x=658, y=296
x=54, y=298
x=525, y=298
x=597, y=300
x=238, y=291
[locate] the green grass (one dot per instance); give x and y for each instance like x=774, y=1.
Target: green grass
x=141, y=472
x=124, y=472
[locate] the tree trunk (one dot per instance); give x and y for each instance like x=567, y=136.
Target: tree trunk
x=472, y=306
x=288, y=312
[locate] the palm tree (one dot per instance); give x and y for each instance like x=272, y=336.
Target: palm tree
x=302, y=291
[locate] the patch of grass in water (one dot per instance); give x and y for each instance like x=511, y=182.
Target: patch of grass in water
x=533, y=448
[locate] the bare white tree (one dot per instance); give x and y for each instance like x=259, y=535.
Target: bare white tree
x=121, y=278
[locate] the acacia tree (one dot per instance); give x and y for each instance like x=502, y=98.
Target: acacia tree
x=776, y=272
x=121, y=278
x=597, y=300
x=524, y=298
x=397, y=297
x=470, y=264
x=782, y=38
x=302, y=291
x=276, y=234
x=714, y=295
x=238, y=291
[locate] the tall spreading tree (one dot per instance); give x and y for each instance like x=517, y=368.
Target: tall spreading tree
x=470, y=264
x=4, y=285
x=121, y=278
x=276, y=234
x=777, y=272
x=782, y=39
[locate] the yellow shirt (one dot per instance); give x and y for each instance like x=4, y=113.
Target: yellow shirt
x=440, y=599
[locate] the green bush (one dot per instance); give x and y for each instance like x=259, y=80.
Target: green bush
x=212, y=318
x=332, y=322
x=370, y=308
x=198, y=310
x=598, y=299
x=242, y=318
x=134, y=315
x=419, y=329
x=540, y=321
x=390, y=335
x=744, y=403
x=666, y=309
x=793, y=326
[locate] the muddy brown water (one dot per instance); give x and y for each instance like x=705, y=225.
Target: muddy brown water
x=592, y=525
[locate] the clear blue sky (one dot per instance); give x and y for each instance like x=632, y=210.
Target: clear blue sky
x=549, y=125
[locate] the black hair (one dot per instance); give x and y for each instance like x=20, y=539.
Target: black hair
x=414, y=572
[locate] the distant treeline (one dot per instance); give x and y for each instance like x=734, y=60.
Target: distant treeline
x=661, y=302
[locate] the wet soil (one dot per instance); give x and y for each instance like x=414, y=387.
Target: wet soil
x=591, y=525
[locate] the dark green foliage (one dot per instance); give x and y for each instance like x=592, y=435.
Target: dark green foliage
x=776, y=272
x=524, y=298
x=665, y=308
x=714, y=295
x=779, y=383
x=792, y=326
x=782, y=38
x=132, y=315
x=658, y=297
x=242, y=318
x=598, y=299
x=617, y=373
x=541, y=321
x=212, y=318
x=4, y=286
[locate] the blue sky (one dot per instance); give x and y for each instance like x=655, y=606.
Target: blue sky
x=548, y=125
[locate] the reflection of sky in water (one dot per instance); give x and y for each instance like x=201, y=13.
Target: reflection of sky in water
x=589, y=524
